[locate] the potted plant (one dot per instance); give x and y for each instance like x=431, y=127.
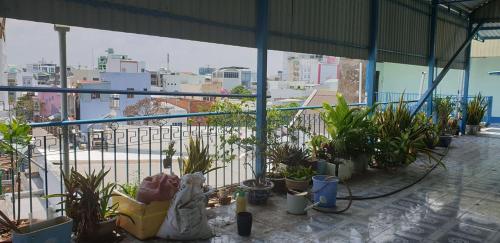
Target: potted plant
x=259, y=189
x=16, y=139
x=282, y=155
x=443, y=107
x=86, y=201
x=431, y=136
x=475, y=113
x=352, y=134
x=169, y=153
x=298, y=177
x=146, y=218
x=399, y=138
x=318, y=153
x=198, y=160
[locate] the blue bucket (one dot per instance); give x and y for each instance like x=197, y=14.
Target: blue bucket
x=325, y=186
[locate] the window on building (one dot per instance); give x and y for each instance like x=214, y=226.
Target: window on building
x=231, y=75
x=145, y=89
x=95, y=96
x=130, y=96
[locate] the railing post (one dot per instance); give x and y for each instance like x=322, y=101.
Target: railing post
x=371, y=68
x=489, y=111
x=261, y=128
x=61, y=29
x=431, y=59
x=465, y=93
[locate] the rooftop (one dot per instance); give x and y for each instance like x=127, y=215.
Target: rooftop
x=458, y=203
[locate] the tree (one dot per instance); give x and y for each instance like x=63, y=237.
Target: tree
x=146, y=107
x=240, y=89
x=25, y=108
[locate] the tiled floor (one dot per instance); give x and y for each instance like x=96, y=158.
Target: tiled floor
x=458, y=204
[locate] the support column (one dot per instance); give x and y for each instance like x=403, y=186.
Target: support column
x=431, y=59
x=465, y=92
x=61, y=29
x=261, y=130
x=371, y=68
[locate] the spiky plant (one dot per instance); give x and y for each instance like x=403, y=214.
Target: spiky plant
x=444, y=107
x=198, y=159
x=86, y=201
x=476, y=110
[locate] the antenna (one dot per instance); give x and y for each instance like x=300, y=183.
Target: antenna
x=168, y=61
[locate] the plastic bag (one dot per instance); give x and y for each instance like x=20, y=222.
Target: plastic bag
x=160, y=187
x=187, y=216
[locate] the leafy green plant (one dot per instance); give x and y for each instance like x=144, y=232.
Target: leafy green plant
x=289, y=155
x=198, y=159
x=399, y=136
x=16, y=137
x=299, y=173
x=316, y=144
x=129, y=189
x=86, y=201
x=443, y=107
x=349, y=128
x=476, y=110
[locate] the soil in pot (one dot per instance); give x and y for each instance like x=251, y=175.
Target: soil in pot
x=297, y=185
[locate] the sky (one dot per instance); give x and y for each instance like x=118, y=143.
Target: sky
x=30, y=42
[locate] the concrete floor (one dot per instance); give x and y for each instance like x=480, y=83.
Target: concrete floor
x=458, y=204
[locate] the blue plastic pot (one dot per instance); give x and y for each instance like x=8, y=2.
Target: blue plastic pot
x=325, y=186
x=53, y=230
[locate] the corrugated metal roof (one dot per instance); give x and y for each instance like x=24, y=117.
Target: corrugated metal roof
x=331, y=27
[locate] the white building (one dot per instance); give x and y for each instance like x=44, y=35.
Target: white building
x=172, y=82
x=313, y=69
x=231, y=77
x=119, y=63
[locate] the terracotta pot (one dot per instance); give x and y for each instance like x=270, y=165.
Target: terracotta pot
x=297, y=185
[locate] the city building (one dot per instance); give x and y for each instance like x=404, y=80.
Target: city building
x=101, y=105
x=82, y=75
x=50, y=104
x=314, y=69
x=172, y=82
x=118, y=63
x=206, y=70
x=231, y=77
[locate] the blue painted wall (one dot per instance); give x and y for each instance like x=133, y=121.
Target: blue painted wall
x=399, y=77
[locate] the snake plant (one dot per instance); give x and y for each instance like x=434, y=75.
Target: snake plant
x=476, y=110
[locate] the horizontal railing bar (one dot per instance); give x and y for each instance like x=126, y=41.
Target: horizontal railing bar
x=108, y=91
x=170, y=116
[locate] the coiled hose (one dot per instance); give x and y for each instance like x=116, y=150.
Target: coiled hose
x=359, y=198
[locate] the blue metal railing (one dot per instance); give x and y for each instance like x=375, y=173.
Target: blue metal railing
x=133, y=152
x=395, y=96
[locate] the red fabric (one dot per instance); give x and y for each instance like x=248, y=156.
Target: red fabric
x=160, y=187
